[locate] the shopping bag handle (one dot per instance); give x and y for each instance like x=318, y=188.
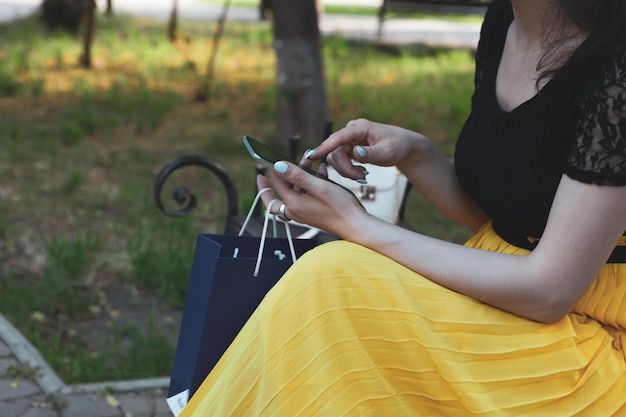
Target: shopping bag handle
x=267, y=216
x=251, y=211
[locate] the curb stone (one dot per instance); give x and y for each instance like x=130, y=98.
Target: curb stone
x=48, y=396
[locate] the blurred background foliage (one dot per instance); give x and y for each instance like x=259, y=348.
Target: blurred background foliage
x=90, y=271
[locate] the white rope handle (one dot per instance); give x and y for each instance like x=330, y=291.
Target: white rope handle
x=254, y=203
x=264, y=231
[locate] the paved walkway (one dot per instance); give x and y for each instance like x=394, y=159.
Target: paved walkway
x=365, y=28
x=45, y=394
x=30, y=388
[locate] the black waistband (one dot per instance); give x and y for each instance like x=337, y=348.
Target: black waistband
x=618, y=256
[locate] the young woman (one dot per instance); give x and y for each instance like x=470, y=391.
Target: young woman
x=529, y=316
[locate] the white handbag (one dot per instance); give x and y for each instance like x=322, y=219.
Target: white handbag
x=383, y=194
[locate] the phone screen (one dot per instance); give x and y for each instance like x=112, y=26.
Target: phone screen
x=264, y=153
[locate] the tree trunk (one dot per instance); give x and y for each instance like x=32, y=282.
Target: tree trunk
x=204, y=92
x=90, y=18
x=109, y=10
x=172, y=27
x=67, y=14
x=301, y=96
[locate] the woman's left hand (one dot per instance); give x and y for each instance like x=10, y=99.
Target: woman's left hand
x=312, y=200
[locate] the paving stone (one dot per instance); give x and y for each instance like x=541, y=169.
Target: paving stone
x=160, y=405
x=4, y=350
x=13, y=408
x=88, y=405
x=41, y=410
x=35, y=406
x=6, y=363
x=14, y=389
x=133, y=404
x=166, y=414
x=140, y=403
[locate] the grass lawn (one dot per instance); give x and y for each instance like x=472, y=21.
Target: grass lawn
x=90, y=271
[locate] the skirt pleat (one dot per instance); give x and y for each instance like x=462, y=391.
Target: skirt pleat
x=349, y=332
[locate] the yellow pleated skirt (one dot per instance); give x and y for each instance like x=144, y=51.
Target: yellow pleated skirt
x=349, y=332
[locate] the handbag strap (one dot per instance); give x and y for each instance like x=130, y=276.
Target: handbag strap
x=267, y=216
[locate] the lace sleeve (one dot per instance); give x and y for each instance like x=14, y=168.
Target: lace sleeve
x=599, y=154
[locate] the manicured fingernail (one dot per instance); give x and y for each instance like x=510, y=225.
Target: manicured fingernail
x=360, y=181
x=308, y=153
x=361, y=151
x=366, y=172
x=281, y=167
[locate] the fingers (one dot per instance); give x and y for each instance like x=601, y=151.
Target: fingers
x=292, y=180
x=322, y=171
x=307, y=165
x=278, y=208
x=345, y=146
x=356, y=132
x=261, y=183
x=344, y=166
x=305, y=162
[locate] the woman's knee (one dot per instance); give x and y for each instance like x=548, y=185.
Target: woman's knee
x=334, y=257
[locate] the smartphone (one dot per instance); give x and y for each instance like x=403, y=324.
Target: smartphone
x=269, y=156
x=264, y=153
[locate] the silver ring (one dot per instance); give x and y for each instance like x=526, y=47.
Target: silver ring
x=281, y=213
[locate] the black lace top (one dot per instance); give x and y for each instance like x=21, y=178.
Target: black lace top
x=511, y=162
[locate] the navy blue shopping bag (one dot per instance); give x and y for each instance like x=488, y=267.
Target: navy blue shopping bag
x=222, y=294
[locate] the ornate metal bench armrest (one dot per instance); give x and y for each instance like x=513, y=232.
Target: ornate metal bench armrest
x=186, y=199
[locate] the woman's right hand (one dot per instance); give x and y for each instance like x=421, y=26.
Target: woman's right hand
x=366, y=141
x=430, y=172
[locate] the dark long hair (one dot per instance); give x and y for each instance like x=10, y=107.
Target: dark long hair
x=601, y=19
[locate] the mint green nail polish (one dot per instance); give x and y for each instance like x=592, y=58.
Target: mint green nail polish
x=360, y=181
x=361, y=151
x=281, y=167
